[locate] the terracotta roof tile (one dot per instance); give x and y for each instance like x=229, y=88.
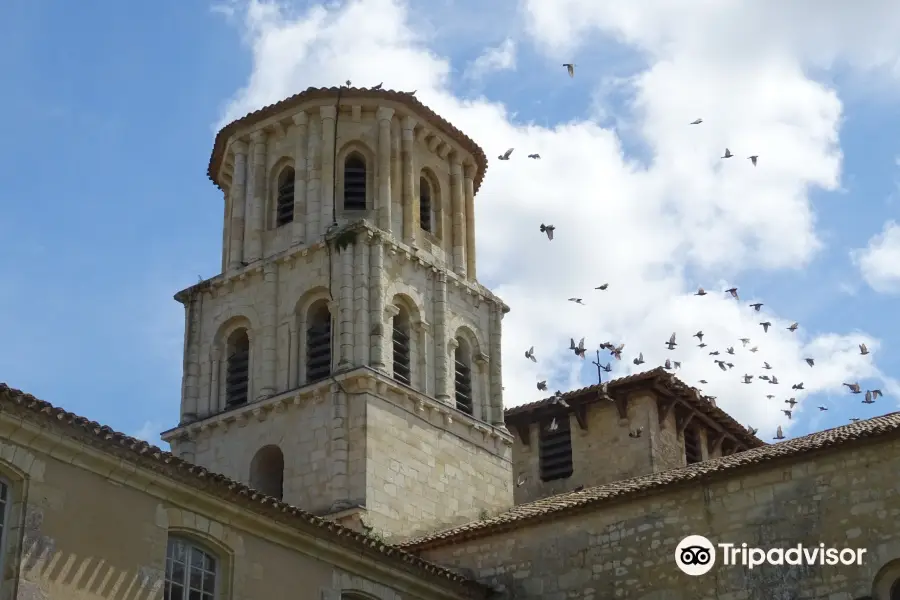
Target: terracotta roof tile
x=153, y=458
x=310, y=94
x=658, y=376
x=589, y=498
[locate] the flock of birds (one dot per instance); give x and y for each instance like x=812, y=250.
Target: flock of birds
x=720, y=359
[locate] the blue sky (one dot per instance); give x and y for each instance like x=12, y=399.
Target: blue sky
x=111, y=112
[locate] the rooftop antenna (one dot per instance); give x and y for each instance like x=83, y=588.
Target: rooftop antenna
x=599, y=368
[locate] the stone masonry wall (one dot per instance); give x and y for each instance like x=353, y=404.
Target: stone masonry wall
x=844, y=497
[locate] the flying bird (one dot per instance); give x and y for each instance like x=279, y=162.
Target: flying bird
x=727, y=154
x=868, y=399
x=745, y=341
x=521, y=479
x=602, y=287
x=778, y=434
x=570, y=67
x=872, y=396
x=764, y=377
x=607, y=367
x=636, y=433
x=676, y=364
x=733, y=292
x=617, y=351
x=793, y=327
x=579, y=349
x=548, y=229
x=797, y=386
x=753, y=159
x=774, y=380
x=576, y=301
x=756, y=306
x=787, y=412
x=506, y=155
x=671, y=343
x=542, y=386
x=853, y=419
x=530, y=354
x=721, y=364
x=748, y=379
x=699, y=335
x=754, y=349
x=863, y=349
x=810, y=361
x=854, y=388
x=639, y=360
x=696, y=122
x=767, y=366
x=822, y=408
x=553, y=425
x=765, y=326
x=537, y=156
x=770, y=396
x=714, y=353
x=700, y=292
x=558, y=399
x=703, y=381
x=730, y=349
x=701, y=345
x=791, y=402
x=751, y=430
x=729, y=365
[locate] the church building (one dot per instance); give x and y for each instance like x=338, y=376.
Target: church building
x=342, y=432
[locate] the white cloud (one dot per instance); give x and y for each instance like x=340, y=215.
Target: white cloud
x=149, y=432
x=645, y=230
x=879, y=261
x=500, y=58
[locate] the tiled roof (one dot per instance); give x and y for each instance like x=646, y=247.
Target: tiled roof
x=145, y=455
x=563, y=504
x=433, y=119
x=658, y=376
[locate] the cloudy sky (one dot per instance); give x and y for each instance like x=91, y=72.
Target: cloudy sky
x=111, y=110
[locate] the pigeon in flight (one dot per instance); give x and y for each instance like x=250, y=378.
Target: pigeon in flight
x=765, y=326
x=748, y=379
x=579, y=349
x=530, y=354
x=699, y=335
x=676, y=364
x=787, y=413
x=617, y=351
x=797, y=386
x=548, y=229
x=506, y=155
x=729, y=350
x=602, y=287
x=868, y=399
x=553, y=425
x=745, y=341
x=671, y=343
x=714, y=353
x=570, y=67
x=854, y=419
x=810, y=361
x=753, y=159
x=733, y=292
x=791, y=402
x=703, y=381
x=727, y=154
x=558, y=399
x=639, y=360
x=542, y=386
x=751, y=430
x=770, y=396
x=756, y=306
x=863, y=349
x=721, y=364
x=822, y=408
x=767, y=366
x=793, y=327
x=536, y=156
x=607, y=367
x=774, y=380
x=854, y=388
x=871, y=396
x=754, y=349
x=729, y=365
x=521, y=479
x=636, y=433
x=576, y=301
x=779, y=435
x=764, y=377
x=700, y=292
x=696, y=122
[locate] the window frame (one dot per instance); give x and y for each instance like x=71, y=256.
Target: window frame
x=280, y=182
x=218, y=586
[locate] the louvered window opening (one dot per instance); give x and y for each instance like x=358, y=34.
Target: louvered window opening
x=425, y=205
x=401, y=355
x=692, y=452
x=555, y=450
x=354, y=184
x=285, y=204
x=463, y=387
x=237, y=376
x=318, y=342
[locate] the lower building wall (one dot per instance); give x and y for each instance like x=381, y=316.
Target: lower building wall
x=846, y=497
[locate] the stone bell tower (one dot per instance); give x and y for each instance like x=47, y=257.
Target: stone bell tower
x=346, y=360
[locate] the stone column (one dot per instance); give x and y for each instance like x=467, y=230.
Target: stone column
x=458, y=213
x=422, y=383
x=496, y=368
x=301, y=347
x=345, y=306
x=469, y=186
x=328, y=114
x=340, y=449
x=481, y=388
x=238, y=193
x=361, y=303
x=191, y=373
x=376, y=304
x=313, y=183
x=396, y=180
x=270, y=324
x=258, y=204
x=226, y=222
x=214, y=381
x=442, y=390
x=293, y=353
x=384, y=116
x=300, y=142
x=410, y=202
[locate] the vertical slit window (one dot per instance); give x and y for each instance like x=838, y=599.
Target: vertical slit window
x=190, y=572
x=237, y=375
x=425, y=204
x=555, y=449
x=318, y=344
x=284, y=205
x=692, y=451
x=354, y=183
x=400, y=338
x=463, y=377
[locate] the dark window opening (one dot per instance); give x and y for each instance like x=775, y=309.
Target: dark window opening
x=555, y=449
x=318, y=344
x=354, y=183
x=237, y=375
x=692, y=452
x=285, y=204
x=267, y=471
x=191, y=573
x=401, y=348
x=463, y=378
x=425, y=204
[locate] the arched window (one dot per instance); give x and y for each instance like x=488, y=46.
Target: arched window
x=267, y=471
x=425, y=211
x=318, y=342
x=237, y=370
x=463, y=370
x=402, y=351
x=191, y=572
x=895, y=591
x=354, y=182
x=284, y=206
x=5, y=501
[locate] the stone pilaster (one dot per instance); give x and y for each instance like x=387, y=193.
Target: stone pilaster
x=238, y=201
x=496, y=367
x=421, y=332
x=191, y=379
x=313, y=182
x=340, y=449
x=214, y=380
x=396, y=180
x=410, y=202
x=293, y=353
x=482, y=388
x=442, y=390
x=361, y=303
x=269, y=341
x=469, y=187
x=258, y=203
x=345, y=306
x=298, y=232
x=376, y=304
x=226, y=226
x=458, y=213
x=384, y=116
x=328, y=114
